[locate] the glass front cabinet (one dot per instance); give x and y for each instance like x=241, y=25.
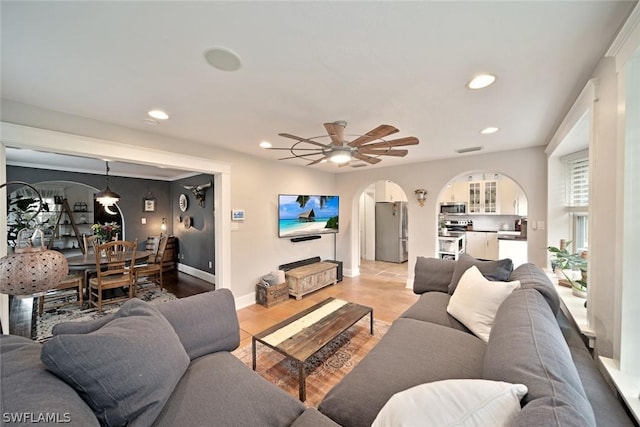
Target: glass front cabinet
x=483, y=197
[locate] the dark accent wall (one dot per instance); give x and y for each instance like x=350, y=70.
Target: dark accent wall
x=195, y=244
x=132, y=192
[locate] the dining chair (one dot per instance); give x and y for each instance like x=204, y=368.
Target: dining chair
x=153, y=266
x=114, y=269
x=72, y=281
x=89, y=242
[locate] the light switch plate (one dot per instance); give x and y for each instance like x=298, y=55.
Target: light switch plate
x=540, y=225
x=143, y=221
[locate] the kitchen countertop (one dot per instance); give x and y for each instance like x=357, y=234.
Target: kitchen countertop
x=509, y=237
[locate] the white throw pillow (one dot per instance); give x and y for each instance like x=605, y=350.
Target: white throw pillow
x=464, y=402
x=476, y=300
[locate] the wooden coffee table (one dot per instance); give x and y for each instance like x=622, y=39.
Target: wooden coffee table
x=303, y=335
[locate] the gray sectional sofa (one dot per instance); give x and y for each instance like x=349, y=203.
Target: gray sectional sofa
x=185, y=375
x=531, y=343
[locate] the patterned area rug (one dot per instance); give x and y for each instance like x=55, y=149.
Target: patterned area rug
x=325, y=369
x=74, y=313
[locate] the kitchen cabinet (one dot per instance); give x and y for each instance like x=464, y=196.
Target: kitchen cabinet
x=455, y=192
x=483, y=197
x=482, y=244
x=512, y=199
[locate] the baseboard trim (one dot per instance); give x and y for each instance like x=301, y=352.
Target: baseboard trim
x=351, y=272
x=245, y=300
x=197, y=273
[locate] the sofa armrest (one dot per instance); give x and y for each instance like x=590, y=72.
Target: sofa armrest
x=205, y=323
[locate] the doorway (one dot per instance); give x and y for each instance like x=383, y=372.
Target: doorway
x=383, y=247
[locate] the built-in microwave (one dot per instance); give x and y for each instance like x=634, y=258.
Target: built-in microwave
x=453, y=208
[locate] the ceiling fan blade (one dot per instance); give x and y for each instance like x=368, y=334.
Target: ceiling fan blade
x=317, y=161
x=297, y=138
x=395, y=153
x=297, y=149
x=379, y=132
x=400, y=142
x=336, y=132
x=365, y=158
x=303, y=156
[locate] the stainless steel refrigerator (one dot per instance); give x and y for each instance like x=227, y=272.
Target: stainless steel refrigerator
x=391, y=232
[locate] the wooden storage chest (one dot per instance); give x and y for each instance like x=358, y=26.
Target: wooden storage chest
x=269, y=296
x=309, y=278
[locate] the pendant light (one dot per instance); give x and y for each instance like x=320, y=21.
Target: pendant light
x=107, y=197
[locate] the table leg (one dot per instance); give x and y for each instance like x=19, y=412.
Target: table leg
x=253, y=352
x=371, y=327
x=302, y=381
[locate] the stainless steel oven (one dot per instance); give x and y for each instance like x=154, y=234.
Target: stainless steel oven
x=453, y=208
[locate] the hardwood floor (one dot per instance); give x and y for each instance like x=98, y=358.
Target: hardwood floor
x=381, y=285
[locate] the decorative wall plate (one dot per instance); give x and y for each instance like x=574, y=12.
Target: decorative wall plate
x=187, y=222
x=183, y=202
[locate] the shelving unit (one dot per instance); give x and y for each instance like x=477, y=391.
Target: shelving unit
x=451, y=247
x=69, y=225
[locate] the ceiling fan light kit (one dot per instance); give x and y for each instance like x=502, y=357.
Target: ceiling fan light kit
x=364, y=149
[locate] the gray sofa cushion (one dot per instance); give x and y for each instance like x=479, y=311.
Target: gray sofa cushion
x=311, y=417
x=606, y=407
x=496, y=271
x=205, y=323
x=411, y=353
x=526, y=346
x=28, y=388
x=219, y=390
x=191, y=318
x=432, y=307
x=126, y=370
x=532, y=277
x=432, y=274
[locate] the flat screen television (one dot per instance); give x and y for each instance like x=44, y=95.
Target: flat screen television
x=304, y=215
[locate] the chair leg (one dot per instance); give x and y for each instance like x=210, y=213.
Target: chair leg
x=40, y=305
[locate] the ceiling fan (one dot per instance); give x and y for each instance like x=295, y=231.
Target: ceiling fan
x=367, y=148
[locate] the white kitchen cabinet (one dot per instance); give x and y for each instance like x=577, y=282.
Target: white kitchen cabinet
x=483, y=197
x=514, y=249
x=481, y=244
x=512, y=199
x=455, y=192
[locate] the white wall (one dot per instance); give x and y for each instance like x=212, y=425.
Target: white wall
x=526, y=167
x=255, y=246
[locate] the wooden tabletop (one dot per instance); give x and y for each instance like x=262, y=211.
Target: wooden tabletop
x=304, y=334
x=88, y=260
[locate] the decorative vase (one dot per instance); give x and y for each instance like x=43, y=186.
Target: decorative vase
x=579, y=293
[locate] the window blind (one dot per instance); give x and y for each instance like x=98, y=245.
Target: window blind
x=578, y=181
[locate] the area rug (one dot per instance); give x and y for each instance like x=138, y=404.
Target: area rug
x=325, y=369
x=74, y=313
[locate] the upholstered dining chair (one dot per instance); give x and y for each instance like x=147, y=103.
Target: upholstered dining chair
x=114, y=269
x=153, y=266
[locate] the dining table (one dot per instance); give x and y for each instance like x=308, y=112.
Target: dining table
x=87, y=263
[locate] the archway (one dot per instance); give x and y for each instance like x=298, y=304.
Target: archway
x=487, y=212
x=383, y=230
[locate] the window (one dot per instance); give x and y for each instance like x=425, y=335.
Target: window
x=577, y=197
x=577, y=179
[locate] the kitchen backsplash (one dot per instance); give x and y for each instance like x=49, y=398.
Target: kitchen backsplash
x=490, y=222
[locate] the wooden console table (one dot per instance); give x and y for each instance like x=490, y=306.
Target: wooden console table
x=309, y=278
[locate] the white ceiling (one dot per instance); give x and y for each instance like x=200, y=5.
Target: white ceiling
x=306, y=63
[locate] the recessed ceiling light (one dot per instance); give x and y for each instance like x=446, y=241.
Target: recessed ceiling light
x=265, y=144
x=223, y=59
x=488, y=130
x=158, y=114
x=481, y=81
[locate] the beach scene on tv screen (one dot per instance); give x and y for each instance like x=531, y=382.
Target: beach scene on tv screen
x=302, y=214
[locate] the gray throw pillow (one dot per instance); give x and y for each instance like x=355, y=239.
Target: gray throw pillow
x=125, y=370
x=432, y=274
x=496, y=271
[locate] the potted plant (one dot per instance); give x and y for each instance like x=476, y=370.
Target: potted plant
x=568, y=263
